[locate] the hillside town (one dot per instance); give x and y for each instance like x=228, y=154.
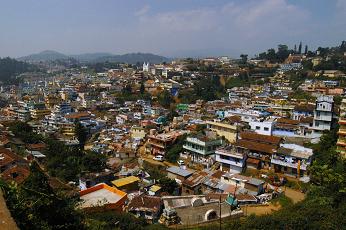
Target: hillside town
x=178, y=143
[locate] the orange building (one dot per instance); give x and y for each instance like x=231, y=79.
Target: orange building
x=102, y=196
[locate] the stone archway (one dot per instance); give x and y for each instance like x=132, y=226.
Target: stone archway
x=210, y=215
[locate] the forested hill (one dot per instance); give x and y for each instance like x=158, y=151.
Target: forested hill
x=9, y=68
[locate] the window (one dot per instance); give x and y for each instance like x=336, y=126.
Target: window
x=317, y=123
x=258, y=128
x=266, y=129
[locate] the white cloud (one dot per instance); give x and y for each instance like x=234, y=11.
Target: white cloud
x=242, y=25
x=142, y=11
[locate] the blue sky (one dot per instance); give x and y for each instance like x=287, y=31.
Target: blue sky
x=171, y=28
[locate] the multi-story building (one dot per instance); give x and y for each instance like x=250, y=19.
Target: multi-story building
x=262, y=127
x=291, y=159
x=231, y=158
x=223, y=129
x=201, y=148
x=323, y=115
x=341, y=144
x=137, y=132
x=39, y=111
x=23, y=114
x=261, y=147
x=157, y=144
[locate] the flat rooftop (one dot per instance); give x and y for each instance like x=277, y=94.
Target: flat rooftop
x=99, y=198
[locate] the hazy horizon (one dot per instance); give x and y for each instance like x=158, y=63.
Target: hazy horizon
x=169, y=28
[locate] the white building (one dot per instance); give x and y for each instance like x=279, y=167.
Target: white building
x=323, y=115
x=146, y=67
x=231, y=158
x=264, y=128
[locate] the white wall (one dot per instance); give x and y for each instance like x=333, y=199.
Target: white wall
x=265, y=128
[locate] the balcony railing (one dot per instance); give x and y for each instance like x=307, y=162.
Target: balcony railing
x=230, y=153
x=230, y=162
x=200, y=151
x=156, y=144
x=288, y=164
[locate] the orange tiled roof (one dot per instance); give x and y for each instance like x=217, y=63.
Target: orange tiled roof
x=260, y=138
x=17, y=174
x=255, y=146
x=77, y=115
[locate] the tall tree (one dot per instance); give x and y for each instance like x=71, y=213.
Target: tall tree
x=300, y=48
x=244, y=58
x=306, y=49
x=142, y=89
x=81, y=134
x=283, y=52
x=165, y=99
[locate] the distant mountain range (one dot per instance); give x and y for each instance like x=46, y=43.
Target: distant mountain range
x=132, y=58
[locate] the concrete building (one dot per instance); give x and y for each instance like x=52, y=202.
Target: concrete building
x=231, y=158
x=323, y=115
x=291, y=159
x=102, y=196
x=341, y=144
x=201, y=148
x=223, y=129
x=264, y=127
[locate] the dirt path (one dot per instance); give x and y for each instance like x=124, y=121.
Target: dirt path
x=260, y=210
x=295, y=195
x=6, y=220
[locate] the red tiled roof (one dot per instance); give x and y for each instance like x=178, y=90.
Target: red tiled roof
x=287, y=121
x=306, y=120
x=8, y=156
x=252, y=161
x=37, y=146
x=250, y=136
x=77, y=115
x=216, y=196
x=145, y=203
x=255, y=146
x=245, y=197
x=17, y=174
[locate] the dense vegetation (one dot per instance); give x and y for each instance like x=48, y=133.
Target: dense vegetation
x=34, y=204
x=10, y=68
x=64, y=162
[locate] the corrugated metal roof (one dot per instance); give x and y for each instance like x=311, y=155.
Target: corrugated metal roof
x=178, y=171
x=125, y=181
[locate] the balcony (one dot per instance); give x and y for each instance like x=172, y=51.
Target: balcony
x=342, y=132
x=342, y=121
x=341, y=142
x=199, y=151
x=157, y=144
x=231, y=153
x=303, y=166
x=230, y=162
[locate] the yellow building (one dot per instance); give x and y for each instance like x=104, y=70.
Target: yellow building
x=137, y=132
x=341, y=144
x=51, y=100
x=67, y=129
x=38, y=114
x=223, y=129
